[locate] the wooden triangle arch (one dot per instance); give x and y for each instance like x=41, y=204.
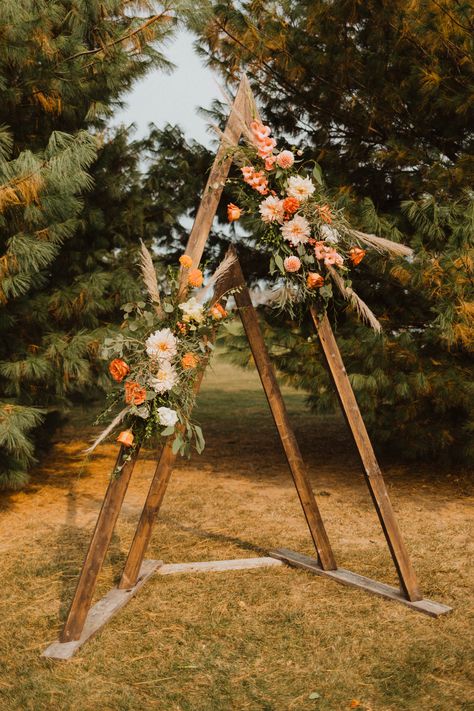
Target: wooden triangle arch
x=82, y=620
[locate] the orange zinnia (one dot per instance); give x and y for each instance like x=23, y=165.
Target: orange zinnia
x=189, y=361
x=118, y=369
x=290, y=205
x=195, y=277
x=185, y=261
x=356, y=255
x=135, y=393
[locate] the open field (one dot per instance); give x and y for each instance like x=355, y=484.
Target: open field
x=269, y=640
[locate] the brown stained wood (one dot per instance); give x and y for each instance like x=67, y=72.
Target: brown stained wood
x=98, y=547
x=251, y=326
x=240, y=115
x=100, y=613
x=371, y=467
x=346, y=577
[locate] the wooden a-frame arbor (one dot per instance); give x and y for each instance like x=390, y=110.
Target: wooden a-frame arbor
x=83, y=620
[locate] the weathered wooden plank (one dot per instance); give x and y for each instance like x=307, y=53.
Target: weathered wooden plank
x=219, y=566
x=311, y=511
x=346, y=577
x=373, y=475
x=100, y=613
x=98, y=547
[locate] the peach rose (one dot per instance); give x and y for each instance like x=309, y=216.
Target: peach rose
x=195, y=277
x=233, y=212
x=135, y=394
x=189, y=361
x=314, y=280
x=185, y=261
x=118, y=369
x=356, y=255
x=290, y=205
x=126, y=438
x=217, y=312
x=285, y=159
x=292, y=263
x=270, y=162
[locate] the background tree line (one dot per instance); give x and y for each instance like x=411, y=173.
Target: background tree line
x=379, y=93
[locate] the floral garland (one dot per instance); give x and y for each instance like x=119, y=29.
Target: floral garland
x=312, y=246
x=156, y=358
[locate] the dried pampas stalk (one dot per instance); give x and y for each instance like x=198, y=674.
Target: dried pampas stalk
x=116, y=421
x=381, y=244
x=149, y=278
x=218, y=275
x=360, y=306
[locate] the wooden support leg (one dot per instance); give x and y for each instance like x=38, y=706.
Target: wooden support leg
x=372, y=471
x=280, y=415
x=98, y=546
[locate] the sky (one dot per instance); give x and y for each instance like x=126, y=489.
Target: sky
x=173, y=98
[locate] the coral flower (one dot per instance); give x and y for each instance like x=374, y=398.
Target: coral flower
x=126, y=438
x=189, y=361
x=292, y=263
x=356, y=255
x=195, y=277
x=296, y=231
x=291, y=205
x=270, y=162
x=218, y=312
x=314, y=280
x=332, y=257
x=271, y=209
x=135, y=394
x=185, y=261
x=118, y=369
x=285, y=159
x=325, y=213
x=233, y=212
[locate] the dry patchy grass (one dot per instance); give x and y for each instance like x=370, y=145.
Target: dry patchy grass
x=268, y=639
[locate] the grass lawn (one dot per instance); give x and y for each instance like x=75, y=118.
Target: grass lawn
x=268, y=639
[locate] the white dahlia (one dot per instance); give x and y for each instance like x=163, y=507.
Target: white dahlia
x=300, y=188
x=164, y=379
x=161, y=345
x=296, y=231
x=271, y=209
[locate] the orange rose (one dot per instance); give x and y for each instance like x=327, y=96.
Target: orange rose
x=135, y=394
x=189, y=361
x=290, y=205
x=356, y=255
x=195, y=277
x=314, y=280
x=118, y=369
x=126, y=438
x=217, y=312
x=233, y=212
x=185, y=261
x=325, y=213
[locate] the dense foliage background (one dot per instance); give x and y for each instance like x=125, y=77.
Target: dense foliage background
x=379, y=93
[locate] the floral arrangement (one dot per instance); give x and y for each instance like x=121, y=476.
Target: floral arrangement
x=311, y=244
x=156, y=357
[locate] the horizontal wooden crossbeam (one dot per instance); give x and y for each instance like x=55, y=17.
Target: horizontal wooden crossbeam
x=346, y=577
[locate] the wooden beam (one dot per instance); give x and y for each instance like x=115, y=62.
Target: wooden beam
x=98, y=547
x=101, y=613
x=346, y=577
x=373, y=475
x=313, y=517
x=220, y=566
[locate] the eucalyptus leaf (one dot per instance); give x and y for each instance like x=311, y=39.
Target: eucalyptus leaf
x=168, y=307
x=318, y=173
x=279, y=263
x=167, y=431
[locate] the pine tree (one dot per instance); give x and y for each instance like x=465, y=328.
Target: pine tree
x=63, y=67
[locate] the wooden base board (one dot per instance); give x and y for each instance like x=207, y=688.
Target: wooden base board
x=346, y=577
x=115, y=599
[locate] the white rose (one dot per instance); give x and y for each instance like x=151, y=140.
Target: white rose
x=192, y=310
x=329, y=234
x=167, y=417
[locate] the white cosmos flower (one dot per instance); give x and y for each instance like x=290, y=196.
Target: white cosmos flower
x=164, y=379
x=161, y=344
x=271, y=209
x=300, y=188
x=296, y=231
x=192, y=310
x=329, y=234
x=167, y=417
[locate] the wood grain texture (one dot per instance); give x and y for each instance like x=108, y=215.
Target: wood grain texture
x=220, y=566
x=346, y=577
x=373, y=475
x=311, y=511
x=98, y=547
x=100, y=613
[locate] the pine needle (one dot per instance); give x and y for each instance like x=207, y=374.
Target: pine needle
x=218, y=276
x=116, y=421
x=149, y=278
x=381, y=244
x=356, y=302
